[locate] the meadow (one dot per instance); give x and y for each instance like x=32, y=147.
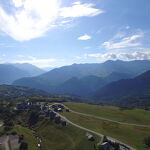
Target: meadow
x=55, y=137
x=137, y=116
x=131, y=135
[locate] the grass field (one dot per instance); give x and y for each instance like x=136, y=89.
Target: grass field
x=131, y=135
x=56, y=137
x=138, y=116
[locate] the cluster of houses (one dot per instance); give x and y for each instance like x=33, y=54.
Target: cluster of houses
x=54, y=115
x=59, y=108
x=28, y=105
x=49, y=111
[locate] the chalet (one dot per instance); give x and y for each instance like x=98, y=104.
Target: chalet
x=105, y=146
x=60, y=106
x=56, y=109
x=64, y=123
x=59, y=110
x=49, y=111
x=52, y=115
x=46, y=111
x=21, y=107
x=45, y=108
x=54, y=106
x=27, y=102
x=38, y=145
x=35, y=107
x=57, y=119
x=90, y=137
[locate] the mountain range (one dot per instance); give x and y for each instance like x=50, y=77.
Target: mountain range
x=11, y=72
x=31, y=69
x=85, y=86
x=126, y=91
x=113, y=82
x=83, y=79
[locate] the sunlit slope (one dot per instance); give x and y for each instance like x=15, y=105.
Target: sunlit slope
x=138, y=116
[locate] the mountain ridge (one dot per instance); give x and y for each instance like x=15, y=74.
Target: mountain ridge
x=126, y=91
x=56, y=77
x=11, y=72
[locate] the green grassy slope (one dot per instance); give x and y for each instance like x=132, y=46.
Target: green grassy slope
x=133, y=136
x=56, y=137
x=138, y=116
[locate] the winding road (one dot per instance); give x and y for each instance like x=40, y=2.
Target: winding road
x=89, y=130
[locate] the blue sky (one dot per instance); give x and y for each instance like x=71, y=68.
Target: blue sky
x=53, y=33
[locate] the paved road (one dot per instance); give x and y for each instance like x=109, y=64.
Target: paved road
x=106, y=119
x=91, y=131
x=6, y=143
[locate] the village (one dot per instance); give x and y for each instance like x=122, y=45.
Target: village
x=53, y=112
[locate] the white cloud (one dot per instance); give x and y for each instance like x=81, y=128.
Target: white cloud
x=32, y=20
x=76, y=3
x=65, y=21
x=38, y=62
x=124, y=43
x=18, y=3
x=80, y=10
x=84, y=37
x=122, y=56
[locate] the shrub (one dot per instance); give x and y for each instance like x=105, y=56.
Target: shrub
x=14, y=133
x=23, y=146
x=21, y=137
x=147, y=141
x=7, y=128
x=33, y=118
x=1, y=133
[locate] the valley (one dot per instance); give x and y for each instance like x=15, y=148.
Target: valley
x=93, y=107
x=83, y=118
x=74, y=75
